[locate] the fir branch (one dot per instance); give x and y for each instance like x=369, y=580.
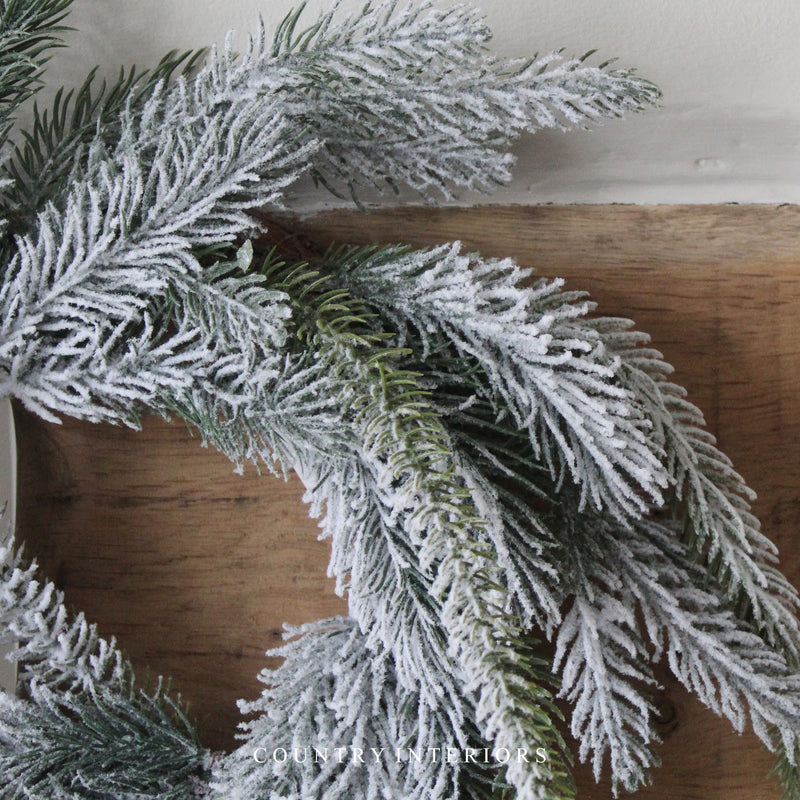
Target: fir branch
x=333, y=694
x=390, y=431
x=605, y=675
x=41, y=166
x=383, y=90
x=375, y=545
x=714, y=653
x=787, y=770
x=188, y=161
x=510, y=682
x=244, y=318
x=400, y=517
x=82, y=727
x=377, y=566
x=59, y=746
x=427, y=302
x=710, y=495
x=435, y=507
x=99, y=373
x=409, y=95
x=542, y=366
x=511, y=488
x=56, y=652
x=602, y=658
x=334, y=415
x=514, y=528
x=642, y=565
x=612, y=714
x=28, y=30
x=125, y=237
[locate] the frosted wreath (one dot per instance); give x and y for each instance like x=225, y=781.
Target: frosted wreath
x=486, y=455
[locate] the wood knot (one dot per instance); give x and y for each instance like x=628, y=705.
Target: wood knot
x=665, y=715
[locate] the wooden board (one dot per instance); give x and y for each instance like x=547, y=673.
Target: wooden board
x=194, y=568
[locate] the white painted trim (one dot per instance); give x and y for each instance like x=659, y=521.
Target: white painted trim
x=8, y=495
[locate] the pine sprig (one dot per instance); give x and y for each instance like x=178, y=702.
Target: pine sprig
x=787, y=771
x=407, y=534
x=394, y=455
x=713, y=652
x=602, y=658
x=710, y=496
x=364, y=706
x=388, y=492
x=40, y=168
x=122, y=240
x=612, y=708
x=646, y=569
x=409, y=95
x=542, y=365
x=198, y=153
x=512, y=699
x=612, y=712
x=605, y=674
x=61, y=746
x=56, y=651
x=82, y=727
x=28, y=30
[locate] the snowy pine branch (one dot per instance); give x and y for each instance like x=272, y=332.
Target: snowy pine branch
x=612, y=708
x=510, y=489
x=401, y=521
x=28, y=30
x=83, y=727
x=55, y=650
x=717, y=656
x=123, y=239
x=42, y=163
x=409, y=95
x=355, y=85
x=333, y=702
x=512, y=701
x=606, y=677
x=513, y=527
x=602, y=654
x=189, y=159
x=428, y=526
x=380, y=470
x=708, y=648
x=544, y=367
x=387, y=590
x=711, y=495
x=528, y=341
x=602, y=659
x=509, y=681
x=59, y=746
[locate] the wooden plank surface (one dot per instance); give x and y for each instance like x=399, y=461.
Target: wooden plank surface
x=194, y=568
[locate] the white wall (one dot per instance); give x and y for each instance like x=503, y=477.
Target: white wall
x=728, y=131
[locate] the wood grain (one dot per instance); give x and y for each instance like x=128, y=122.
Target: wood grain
x=194, y=568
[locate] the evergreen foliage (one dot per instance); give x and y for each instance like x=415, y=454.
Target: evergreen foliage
x=485, y=455
x=40, y=166
x=27, y=31
x=332, y=688
x=81, y=727
x=601, y=652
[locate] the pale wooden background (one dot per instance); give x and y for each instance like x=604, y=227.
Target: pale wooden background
x=194, y=568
